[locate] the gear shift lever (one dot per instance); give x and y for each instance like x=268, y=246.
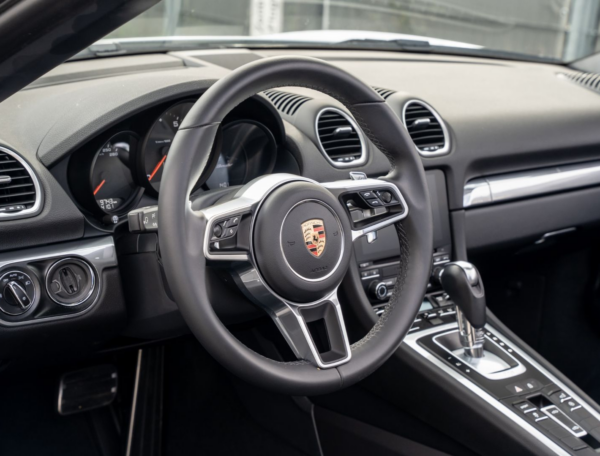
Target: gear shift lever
x=462, y=282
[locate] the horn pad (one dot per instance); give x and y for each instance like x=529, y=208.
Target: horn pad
x=301, y=242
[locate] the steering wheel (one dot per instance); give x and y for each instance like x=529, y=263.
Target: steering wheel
x=288, y=239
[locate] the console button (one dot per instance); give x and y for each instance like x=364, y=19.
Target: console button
x=557, y=415
x=574, y=443
x=525, y=407
x=560, y=397
x=532, y=385
x=516, y=388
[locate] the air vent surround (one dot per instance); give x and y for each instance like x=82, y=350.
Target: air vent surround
x=22, y=189
x=427, y=145
x=338, y=151
x=286, y=102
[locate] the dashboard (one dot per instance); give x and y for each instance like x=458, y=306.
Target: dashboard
x=90, y=142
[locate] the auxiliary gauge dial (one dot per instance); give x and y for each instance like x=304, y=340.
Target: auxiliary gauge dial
x=17, y=293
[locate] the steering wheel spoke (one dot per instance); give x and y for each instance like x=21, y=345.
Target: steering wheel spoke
x=315, y=332
x=371, y=204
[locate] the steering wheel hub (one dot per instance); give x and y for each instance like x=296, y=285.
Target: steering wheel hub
x=301, y=244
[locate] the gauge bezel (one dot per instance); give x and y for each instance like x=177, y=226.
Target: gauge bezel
x=142, y=178
x=136, y=194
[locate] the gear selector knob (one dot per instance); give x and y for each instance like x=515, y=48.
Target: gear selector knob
x=462, y=282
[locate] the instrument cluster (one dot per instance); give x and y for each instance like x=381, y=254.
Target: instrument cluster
x=111, y=174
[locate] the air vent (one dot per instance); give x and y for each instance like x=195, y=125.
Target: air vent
x=19, y=188
x=340, y=138
x=384, y=93
x=589, y=80
x=286, y=102
x=426, y=128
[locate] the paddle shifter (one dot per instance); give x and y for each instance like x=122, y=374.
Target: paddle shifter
x=462, y=282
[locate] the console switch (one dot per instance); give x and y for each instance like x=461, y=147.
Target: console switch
x=559, y=416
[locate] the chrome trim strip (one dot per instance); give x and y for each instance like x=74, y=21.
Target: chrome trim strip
x=506, y=187
x=39, y=196
x=99, y=252
x=412, y=341
x=136, y=387
x=508, y=373
x=444, y=150
x=363, y=144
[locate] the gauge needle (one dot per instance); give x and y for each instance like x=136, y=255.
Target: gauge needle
x=99, y=186
x=157, y=167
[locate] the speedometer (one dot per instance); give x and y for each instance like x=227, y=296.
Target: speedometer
x=159, y=139
x=112, y=183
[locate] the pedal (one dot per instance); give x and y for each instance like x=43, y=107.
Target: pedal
x=87, y=389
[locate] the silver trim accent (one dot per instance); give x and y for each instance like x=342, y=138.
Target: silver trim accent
x=136, y=387
x=363, y=151
x=39, y=197
x=92, y=276
x=281, y=240
x=99, y=252
x=524, y=184
x=444, y=150
x=412, y=341
x=508, y=373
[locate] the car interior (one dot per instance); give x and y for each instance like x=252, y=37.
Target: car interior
x=304, y=244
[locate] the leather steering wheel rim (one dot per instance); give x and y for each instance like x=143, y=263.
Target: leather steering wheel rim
x=182, y=248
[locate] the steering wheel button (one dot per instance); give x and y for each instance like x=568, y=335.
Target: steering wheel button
x=233, y=221
x=368, y=195
x=374, y=202
x=229, y=232
x=385, y=196
x=217, y=231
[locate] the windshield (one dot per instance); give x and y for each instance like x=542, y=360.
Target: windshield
x=556, y=30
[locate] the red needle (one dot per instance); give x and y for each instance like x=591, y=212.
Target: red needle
x=99, y=187
x=157, y=167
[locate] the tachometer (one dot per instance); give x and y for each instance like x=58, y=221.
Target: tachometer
x=159, y=139
x=111, y=182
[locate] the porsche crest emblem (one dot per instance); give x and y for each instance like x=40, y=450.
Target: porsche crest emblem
x=314, y=236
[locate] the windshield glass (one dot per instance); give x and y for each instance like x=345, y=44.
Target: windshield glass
x=558, y=30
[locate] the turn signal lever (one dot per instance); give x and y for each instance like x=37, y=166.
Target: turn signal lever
x=462, y=282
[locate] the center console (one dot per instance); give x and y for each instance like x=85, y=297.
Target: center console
x=450, y=332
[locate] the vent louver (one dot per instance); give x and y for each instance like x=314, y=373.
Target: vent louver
x=19, y=190
x=426, y=128
x=340, y=138
x=286, y=102
x=589, y=80
x=384, y=93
